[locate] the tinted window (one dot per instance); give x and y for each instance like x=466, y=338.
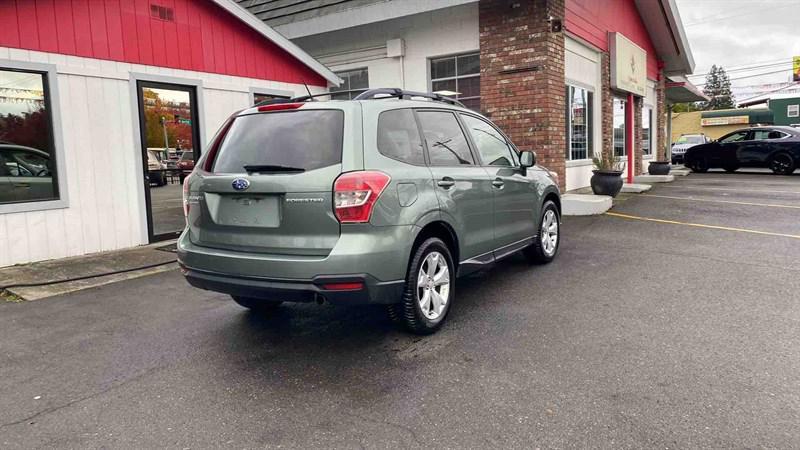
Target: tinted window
x=398, y=136
x=492, y=146
x=306, y=139
x=735, y=137
x=26, y=148
x=447, y=145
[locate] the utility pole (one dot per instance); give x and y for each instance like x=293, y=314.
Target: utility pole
x=166, y=140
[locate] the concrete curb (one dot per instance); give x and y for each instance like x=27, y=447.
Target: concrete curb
x=634, y=188
x=654, y=179
x=584, y=204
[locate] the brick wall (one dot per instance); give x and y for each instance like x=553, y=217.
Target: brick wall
x=662, y=140
x=522, y=75
x=638, y=152
x=607, y=104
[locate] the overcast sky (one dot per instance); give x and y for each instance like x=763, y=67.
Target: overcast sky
x=743, y=33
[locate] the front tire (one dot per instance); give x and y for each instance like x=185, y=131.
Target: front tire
x=545, y=245
x=429, y=289
x=700, y=166
x=256, y=304
x=782, y=164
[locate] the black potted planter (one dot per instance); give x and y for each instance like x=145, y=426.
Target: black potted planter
x=658, y=168
x=606, y=182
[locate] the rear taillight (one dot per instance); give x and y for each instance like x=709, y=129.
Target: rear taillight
x=355, y=194
x=186, y=198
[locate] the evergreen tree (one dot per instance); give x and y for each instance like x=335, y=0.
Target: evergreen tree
x=718, y=90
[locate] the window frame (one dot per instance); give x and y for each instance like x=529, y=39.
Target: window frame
x=474, y=147
x=589, y=125
x=476, y=161
x=457, y=76
x=345, y=71
x=51, y=101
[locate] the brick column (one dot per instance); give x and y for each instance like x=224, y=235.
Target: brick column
x=662, y=140
x=607, y=104
x=638, y=151
x=522, y=76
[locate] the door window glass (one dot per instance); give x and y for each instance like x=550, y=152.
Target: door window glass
x=446, y=143
x=398, y=136
x=492, y=146
x=26, y=145
x=579, y=123
x=647, y=137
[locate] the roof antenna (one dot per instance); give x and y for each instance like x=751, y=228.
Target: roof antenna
x=309, y=91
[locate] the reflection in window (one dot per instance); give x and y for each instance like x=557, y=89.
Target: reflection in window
x=447, y=145
x=353, y=80
x=492, y=146
x=647, y=139
x=579, y=123
x=398, y=136
x=27, y=156
x=258, y=98
x=459, y=74
x=619, y=127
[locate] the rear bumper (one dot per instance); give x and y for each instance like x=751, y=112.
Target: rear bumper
x=364, y=289
x=377, y=257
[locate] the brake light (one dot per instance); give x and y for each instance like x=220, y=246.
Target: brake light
x=355, y=194
x=355, y=286
x=186, y=198
x=279, y=107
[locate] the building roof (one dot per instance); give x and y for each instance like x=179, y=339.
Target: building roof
x=774, y=95
x=663, y=23
x=268, y=32
x=680, y=90
x=755, y=115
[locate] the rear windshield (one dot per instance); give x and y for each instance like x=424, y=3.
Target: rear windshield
x=306, y=140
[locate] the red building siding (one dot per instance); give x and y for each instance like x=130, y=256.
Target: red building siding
x=202, y=37
x=591, y=20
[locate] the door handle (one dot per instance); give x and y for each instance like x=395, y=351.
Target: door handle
x=498, y=182
x=446, y=182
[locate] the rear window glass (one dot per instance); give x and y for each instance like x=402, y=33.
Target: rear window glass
x=307, y=140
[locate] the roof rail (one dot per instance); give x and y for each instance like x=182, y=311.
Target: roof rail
x=403, y=94
x=372, y=94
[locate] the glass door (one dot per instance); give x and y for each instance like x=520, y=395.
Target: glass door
x=170, y=146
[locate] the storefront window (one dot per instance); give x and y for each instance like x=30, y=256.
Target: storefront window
x=27, y=154
x=647, y=138
x=619, y=127
x=579, y=123
x=459, y=74
x=353, y=80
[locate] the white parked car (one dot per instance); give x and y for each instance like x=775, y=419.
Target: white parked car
x=685, y=142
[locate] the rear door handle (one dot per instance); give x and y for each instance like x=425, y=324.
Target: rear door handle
x=446, y=182
x=498, y=182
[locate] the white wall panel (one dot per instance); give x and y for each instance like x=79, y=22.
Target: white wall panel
x=105, y=198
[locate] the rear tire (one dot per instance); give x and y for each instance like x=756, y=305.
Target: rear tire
x=429, y=289
x=782, y=164
x=256, y=304
x=700, y=166
x=545, y=244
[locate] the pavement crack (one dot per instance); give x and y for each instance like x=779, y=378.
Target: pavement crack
x=53, y=409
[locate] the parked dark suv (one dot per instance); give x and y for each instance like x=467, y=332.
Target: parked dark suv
x=383, y=199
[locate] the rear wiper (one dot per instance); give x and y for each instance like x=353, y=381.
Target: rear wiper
x=272, y=168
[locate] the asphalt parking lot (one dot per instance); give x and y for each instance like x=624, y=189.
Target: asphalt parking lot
x=674, y=323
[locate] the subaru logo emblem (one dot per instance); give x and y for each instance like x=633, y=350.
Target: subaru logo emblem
x=240, y=184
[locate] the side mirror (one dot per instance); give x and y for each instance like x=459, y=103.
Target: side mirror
x=527, y=159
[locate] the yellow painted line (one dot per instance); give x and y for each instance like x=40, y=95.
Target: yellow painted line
x=700, y=225
x=700, y=186
x=722, y=201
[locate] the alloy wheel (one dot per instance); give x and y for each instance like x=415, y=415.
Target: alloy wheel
x=433, y=285
x=549, y=232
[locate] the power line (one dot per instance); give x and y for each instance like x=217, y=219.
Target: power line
x=715, y=19
x=751, y=76
x=746, y=69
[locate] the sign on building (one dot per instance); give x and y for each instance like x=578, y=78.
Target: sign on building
x=628, y=65
x=732, y=120
x=796, y=69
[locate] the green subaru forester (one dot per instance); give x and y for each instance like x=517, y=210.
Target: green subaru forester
x=386, y=199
